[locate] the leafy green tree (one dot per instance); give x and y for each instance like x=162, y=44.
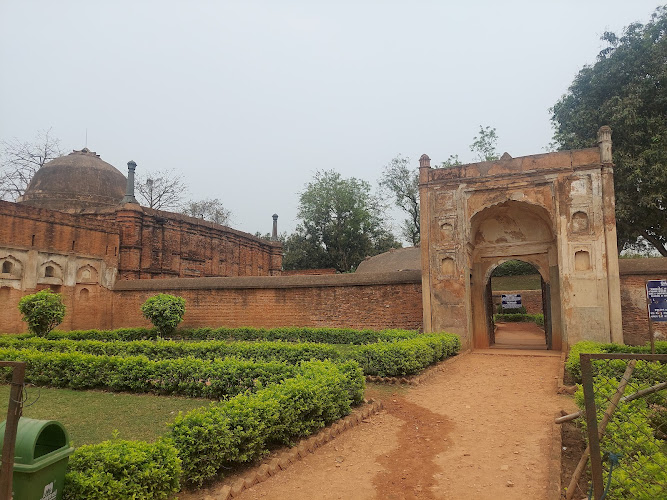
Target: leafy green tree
x=210, y=209
x=164, y=311
x=626, y=89
x=340, y=225
x=43, y=311
x=402, y=182
x=484, y=144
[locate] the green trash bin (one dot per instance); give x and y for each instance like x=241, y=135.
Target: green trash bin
x=40, y=459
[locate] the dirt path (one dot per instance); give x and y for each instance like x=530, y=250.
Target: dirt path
x=480, y=429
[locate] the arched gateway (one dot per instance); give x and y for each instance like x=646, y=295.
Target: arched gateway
x=555, y=211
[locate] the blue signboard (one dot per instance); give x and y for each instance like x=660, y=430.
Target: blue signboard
x=656, y=297
x=511, y=300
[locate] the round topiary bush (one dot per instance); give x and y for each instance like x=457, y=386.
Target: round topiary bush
x=43, y=311
x=164, y=311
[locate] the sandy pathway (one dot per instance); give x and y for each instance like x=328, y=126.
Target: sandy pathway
x=480, y=429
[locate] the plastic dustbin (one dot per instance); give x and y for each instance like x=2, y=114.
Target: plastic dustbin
x=40, y=459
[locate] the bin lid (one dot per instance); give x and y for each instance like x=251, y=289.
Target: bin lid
x=36, y=439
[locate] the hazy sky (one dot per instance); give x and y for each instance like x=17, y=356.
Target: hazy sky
x=249, y=99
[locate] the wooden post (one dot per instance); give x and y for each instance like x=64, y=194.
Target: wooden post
x=13, y=415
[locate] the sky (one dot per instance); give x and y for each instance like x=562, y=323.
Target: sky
x=249, y=99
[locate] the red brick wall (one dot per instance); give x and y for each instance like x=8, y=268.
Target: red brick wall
x=633, y=304
x=372, y=305
x=156, y=244
x=26, y=227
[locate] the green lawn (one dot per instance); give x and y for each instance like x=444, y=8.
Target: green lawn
x=526, y=282
x=92, y=416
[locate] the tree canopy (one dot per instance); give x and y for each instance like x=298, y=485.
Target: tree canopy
x=626, y=89
x=19, y=160
x=402, y=181
x=210, y=209
x=340, y=225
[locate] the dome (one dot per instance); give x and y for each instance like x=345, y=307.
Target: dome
x=76, y=182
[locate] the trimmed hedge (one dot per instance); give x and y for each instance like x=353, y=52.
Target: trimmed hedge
x=288, y=334
x=396, y=358
x=538, y=319
x=633, y=434
x=168, y=349
x=243, y=428
x=405, y=357
x=614, y=368
x=186, y=376
x=123, y=470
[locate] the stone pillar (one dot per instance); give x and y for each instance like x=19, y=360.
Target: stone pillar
x=274, y=234
x=611, y=245
x=424, y=240
x=604, y=143
x=129, y=191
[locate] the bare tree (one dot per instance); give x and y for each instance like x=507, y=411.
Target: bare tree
x=161, y=189
x=210, y=209
x=20, y=160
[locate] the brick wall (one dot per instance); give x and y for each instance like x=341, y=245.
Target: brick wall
x=634, y=275
x=156, y=244
x=389, y=300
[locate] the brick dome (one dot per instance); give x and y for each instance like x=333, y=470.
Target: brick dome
x=77, y=182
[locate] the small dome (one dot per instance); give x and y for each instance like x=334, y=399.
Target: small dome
x=76, y=182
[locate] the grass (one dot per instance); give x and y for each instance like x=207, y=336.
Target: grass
x=526, y=282
x=92, y=416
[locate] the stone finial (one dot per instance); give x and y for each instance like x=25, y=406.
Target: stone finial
x=424, y=161
x=274, y=234
x=604, y=143
x=506, y=156
x=129, y=192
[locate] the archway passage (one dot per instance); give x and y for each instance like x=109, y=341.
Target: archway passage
x=515, y=294
x=513, y=237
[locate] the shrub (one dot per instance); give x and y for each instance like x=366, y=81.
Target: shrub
x=243, y=428
x=538, y=319
x=287, y=334
x=185, y=376
x=42, y=311
x=164, y=311
x=123, y=470
x=642, y=469
x=405, y=357
x=612, y=368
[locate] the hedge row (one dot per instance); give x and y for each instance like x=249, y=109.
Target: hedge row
x=614, y=368
x=405, y=357
x=634, y=434
x=538, y=319
x=243, y=428
x=123, y=470
x=397, y=358
x=186, y=376
x=206, y=441
x=168, y=349
x=288, y=334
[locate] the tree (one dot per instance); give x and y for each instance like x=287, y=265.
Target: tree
x=484, y=145
x=164, y=311
x=626, y=89
x=340, y=225
x=403, y=183
x=43, y=311
x=161, y=189
x=210, y=209
x=20, y=160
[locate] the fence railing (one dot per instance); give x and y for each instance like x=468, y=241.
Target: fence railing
x=625, y=398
